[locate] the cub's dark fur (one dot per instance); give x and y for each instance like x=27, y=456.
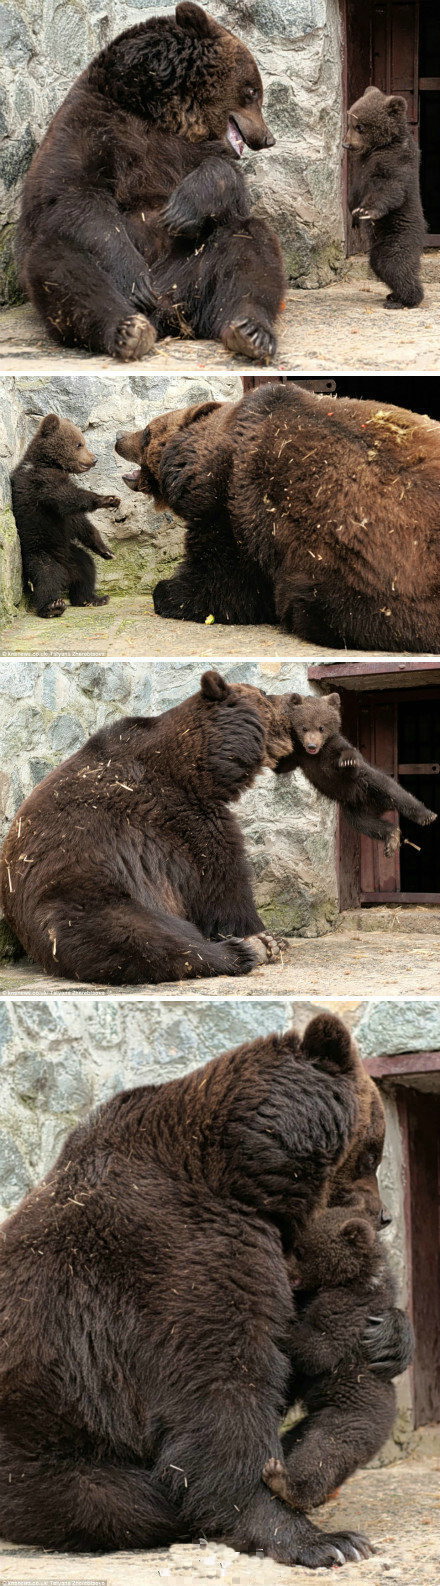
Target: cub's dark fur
x=338, y=770
x=385, y=192
x=51, y=516
x=136, y=219
x=340, y=1276
x=146, y=1306
x=126, y=864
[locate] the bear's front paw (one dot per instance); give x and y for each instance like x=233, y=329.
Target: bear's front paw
x=55, y=609
x=347, y=760
x=265, y=947
x=249, y=339
x=392, y=841
x=110, y=501
x=181, y=216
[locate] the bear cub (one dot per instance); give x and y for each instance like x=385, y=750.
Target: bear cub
x=340, y=1275
x=50, y=512
x=338, y=770
x=385, y=192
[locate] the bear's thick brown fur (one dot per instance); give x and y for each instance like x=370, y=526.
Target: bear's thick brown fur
x=340, y=1274
x=147, y=1309
x=50, y=514
x=339, y=771
x=384, y=191
x=319, y=513
x=126, y=864
x=136, y=220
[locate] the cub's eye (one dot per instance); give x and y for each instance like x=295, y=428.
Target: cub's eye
x=79, y=446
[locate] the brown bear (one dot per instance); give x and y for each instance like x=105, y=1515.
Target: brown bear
x=384, y=191
x=339, y=771
x=126, y=863
x=322, y=514
x=146, y=1307
x=51, y=516
x=136, y=220
x=340, y=1274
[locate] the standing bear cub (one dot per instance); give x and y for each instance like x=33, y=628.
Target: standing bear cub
x=136, y=220
x=126, y=864
x=51, y=516
x=385, y=192
x=339, y=1274
x=339, y=771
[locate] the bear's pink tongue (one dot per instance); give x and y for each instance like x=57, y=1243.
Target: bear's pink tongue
x=132, y=479
x=234, y=137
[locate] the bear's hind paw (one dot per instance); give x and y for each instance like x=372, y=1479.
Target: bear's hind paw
x=134, y=338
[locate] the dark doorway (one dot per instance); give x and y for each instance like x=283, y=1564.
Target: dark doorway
x=396, y=45
x=398, y=730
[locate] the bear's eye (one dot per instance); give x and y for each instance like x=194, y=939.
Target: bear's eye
x=250, y=93
x=79, y=446
x=360, y=126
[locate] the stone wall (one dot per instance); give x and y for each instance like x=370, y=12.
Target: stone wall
x=44, y=44
x=48, y=709
x=60, y=1057
x=146, y=544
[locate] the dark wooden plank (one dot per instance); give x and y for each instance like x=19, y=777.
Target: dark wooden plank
x=385, y=1065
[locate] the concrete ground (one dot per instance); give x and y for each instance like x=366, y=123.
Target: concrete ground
x=356, y=959
x=333, y=329
x=397, y=1507
x=129, y=626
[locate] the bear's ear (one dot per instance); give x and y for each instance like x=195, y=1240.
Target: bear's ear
x=395, y=104
x=201, y=411
x=358, y=1234
x=327, y=1041
x=213, y=686
x=333, y=699
x=50, y=424
x=295, y=699
x=195, y=20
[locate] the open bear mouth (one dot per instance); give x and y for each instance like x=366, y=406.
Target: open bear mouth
x=312, y=748
x=132, y=479
x=234, y=136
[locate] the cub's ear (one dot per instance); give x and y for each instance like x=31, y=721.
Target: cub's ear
x=358, y=1234
x=295, y=699
x=213, y=686
x=328, y=1041
x=195, y=20
x=395, y=104
x=333, y=699
x=50, y=424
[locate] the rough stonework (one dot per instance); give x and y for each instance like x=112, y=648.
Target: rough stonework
x=297, y=44
x=59, y=1058
x=146, y=544
x=47, y=710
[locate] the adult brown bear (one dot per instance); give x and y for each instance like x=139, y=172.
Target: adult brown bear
x=146, y=1305
x=126, y=864
x=320, y=514
x=136, y=220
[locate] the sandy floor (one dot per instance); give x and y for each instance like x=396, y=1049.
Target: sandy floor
x=398, y=1508
x=332, y=330
x=348, y=963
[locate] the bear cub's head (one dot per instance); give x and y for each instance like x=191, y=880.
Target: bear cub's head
x=59, y=444
x=375, y=121
x=315, y=720
x=336, y=1249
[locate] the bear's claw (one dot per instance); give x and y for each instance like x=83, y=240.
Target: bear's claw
x=265, y=947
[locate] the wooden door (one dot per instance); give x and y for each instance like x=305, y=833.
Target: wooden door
x=419, y=1115
x=400, y=733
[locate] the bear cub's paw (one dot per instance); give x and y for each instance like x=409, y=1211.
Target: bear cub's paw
x=248, y=339
x=393, y=841
x=134, y=337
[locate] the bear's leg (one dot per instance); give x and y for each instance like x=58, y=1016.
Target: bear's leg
x=82, y=579
x=46, y=580
x=225, y=587
x=58, y=1503
x=302, y=608
x=401, y=272
x=329, y=1444
x=231, y=288
x=372, y=826
x=388, y=794
x=126, y=944
x=80, y=304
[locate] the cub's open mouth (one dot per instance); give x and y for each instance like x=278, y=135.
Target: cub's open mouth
x=234, y=136
x=311, y=749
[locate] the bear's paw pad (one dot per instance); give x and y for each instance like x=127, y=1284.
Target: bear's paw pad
x=248, y=339
x=134, y=338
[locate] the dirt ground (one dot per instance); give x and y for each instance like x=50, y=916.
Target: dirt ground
x=333, y=329
x=349, y=960
x=397, y=1507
